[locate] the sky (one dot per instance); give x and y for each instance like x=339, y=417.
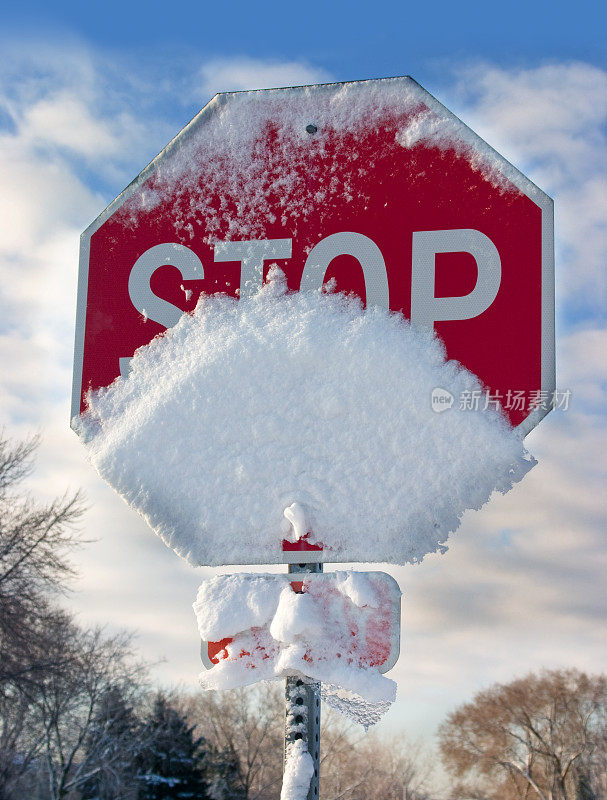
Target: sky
x=88, y=97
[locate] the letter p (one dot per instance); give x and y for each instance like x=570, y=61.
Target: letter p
x=426, y=309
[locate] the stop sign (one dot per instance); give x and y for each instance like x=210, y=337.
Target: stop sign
x=371, y=186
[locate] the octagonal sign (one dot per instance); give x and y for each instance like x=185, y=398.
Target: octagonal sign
x=371, y=185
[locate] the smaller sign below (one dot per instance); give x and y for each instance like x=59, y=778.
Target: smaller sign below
x=324, y=626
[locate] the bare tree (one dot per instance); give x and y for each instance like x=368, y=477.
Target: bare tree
x=355, y=764
x=69, y=703
x=597, y=768
x=248, y=725
x=54, y=676
x=342, y=772
x=35, y=541
x=537, y=737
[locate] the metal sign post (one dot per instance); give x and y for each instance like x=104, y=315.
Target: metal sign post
x=302, y=712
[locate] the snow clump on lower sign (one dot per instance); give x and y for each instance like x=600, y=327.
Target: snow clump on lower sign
x=338, y=628
x=247, y=407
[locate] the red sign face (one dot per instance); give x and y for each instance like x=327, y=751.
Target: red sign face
x=399, y=203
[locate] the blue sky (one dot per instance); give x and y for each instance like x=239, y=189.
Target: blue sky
x=351, y=39
x=88, y=95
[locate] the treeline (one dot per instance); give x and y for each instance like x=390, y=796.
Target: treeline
x=77, y=718
x=80, y=719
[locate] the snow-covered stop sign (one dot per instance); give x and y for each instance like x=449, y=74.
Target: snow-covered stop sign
x=372, y=185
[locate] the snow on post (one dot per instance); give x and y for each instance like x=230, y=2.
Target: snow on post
x=298, y=772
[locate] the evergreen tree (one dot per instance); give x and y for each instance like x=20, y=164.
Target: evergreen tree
x=112, y=749
x=224, y=778
x=172, y=764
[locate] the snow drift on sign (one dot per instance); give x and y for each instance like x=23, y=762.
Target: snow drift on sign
x=340, y=628
x=244, y=408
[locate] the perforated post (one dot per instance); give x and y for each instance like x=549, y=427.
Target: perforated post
x=302, y=718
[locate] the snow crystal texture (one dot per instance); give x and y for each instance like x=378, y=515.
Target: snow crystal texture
x=246, y=408
x=227, y=160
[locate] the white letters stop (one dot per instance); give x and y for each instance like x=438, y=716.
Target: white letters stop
x=426, y=308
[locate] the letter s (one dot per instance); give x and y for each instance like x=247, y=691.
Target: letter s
x=141, y=294
x=142, y=297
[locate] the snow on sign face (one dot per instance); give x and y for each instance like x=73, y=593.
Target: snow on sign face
x=353, y=620
x=245, y=412
x=371, y=183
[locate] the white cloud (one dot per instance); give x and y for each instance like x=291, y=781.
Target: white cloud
x=232, y=74
x=542, y=110
x=38, y=195
x=65, y=120
x=583, y=364
x=552, y=122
